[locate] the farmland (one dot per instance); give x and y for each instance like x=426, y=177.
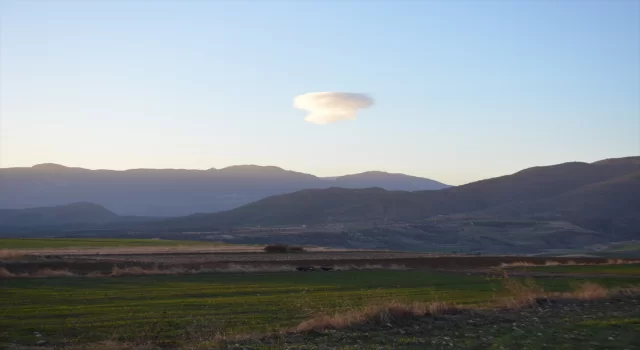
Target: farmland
x=117, y=246
x=622, y=269
x=161, y=308
x=66, y=292
x=610, y=324
x=40, y=243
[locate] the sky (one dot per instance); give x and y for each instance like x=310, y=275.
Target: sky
x=456, y=91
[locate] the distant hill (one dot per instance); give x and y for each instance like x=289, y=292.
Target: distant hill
x=526, y=185
x=310, y=207
x=611, y=206
x=575, y=191
x=625, y=161
x=59, y=215
x=389, y=181
x=174, y=192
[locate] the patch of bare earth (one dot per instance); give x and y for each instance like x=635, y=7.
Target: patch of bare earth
x=154, y=260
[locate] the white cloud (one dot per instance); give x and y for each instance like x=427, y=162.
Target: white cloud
x=329, y=107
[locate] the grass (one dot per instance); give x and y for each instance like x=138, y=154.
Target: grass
x=375, y=314
x=625, y=247
x=522, y=295
x=628, y=250
x=44, y=243
x=618, y=269
x=163, y=308
x=588, y=317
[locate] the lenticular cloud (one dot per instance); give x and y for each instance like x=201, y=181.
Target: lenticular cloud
x=330, y=107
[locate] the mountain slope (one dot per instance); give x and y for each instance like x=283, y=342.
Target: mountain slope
x=607, y=206
x=344, y=205
x=525, y=185
x=385, y=180
x=168, y=192
x=311, y=207
x=59, y=215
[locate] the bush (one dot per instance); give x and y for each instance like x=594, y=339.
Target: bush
x=283, y=248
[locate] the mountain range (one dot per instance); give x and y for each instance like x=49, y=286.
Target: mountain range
x=174, y=192
x=600, y=195
x=563, y=206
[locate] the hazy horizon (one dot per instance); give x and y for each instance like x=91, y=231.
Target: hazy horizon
x=287, y=169
x=452, y=91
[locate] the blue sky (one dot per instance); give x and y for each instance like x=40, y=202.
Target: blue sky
x=463, y=90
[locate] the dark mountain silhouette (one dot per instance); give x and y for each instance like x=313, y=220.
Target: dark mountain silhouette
x=624, y=161
x=526, y=185
x=608, y=206
x=310, y=207
x=172, y=192
x=578, y=192
x=74, y=213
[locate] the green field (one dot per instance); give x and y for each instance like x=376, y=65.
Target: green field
x=42, y=243
x=625, y=247
x=628, y=250
x=623, y=269
x=165, y=307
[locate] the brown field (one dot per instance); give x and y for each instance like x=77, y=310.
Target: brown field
x=144, y=251
x=187, y=260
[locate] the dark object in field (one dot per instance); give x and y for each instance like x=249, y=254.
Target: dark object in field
x=305, y=268
x=283, y=248
x=326, y=268
x=543, y=301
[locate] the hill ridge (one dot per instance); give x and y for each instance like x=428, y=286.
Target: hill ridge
x=173, y=192
x=526, y=186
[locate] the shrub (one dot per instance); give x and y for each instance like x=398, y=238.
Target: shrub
x=376, y=314
x=521, y=293
x=590, y=291
x=283, y=248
